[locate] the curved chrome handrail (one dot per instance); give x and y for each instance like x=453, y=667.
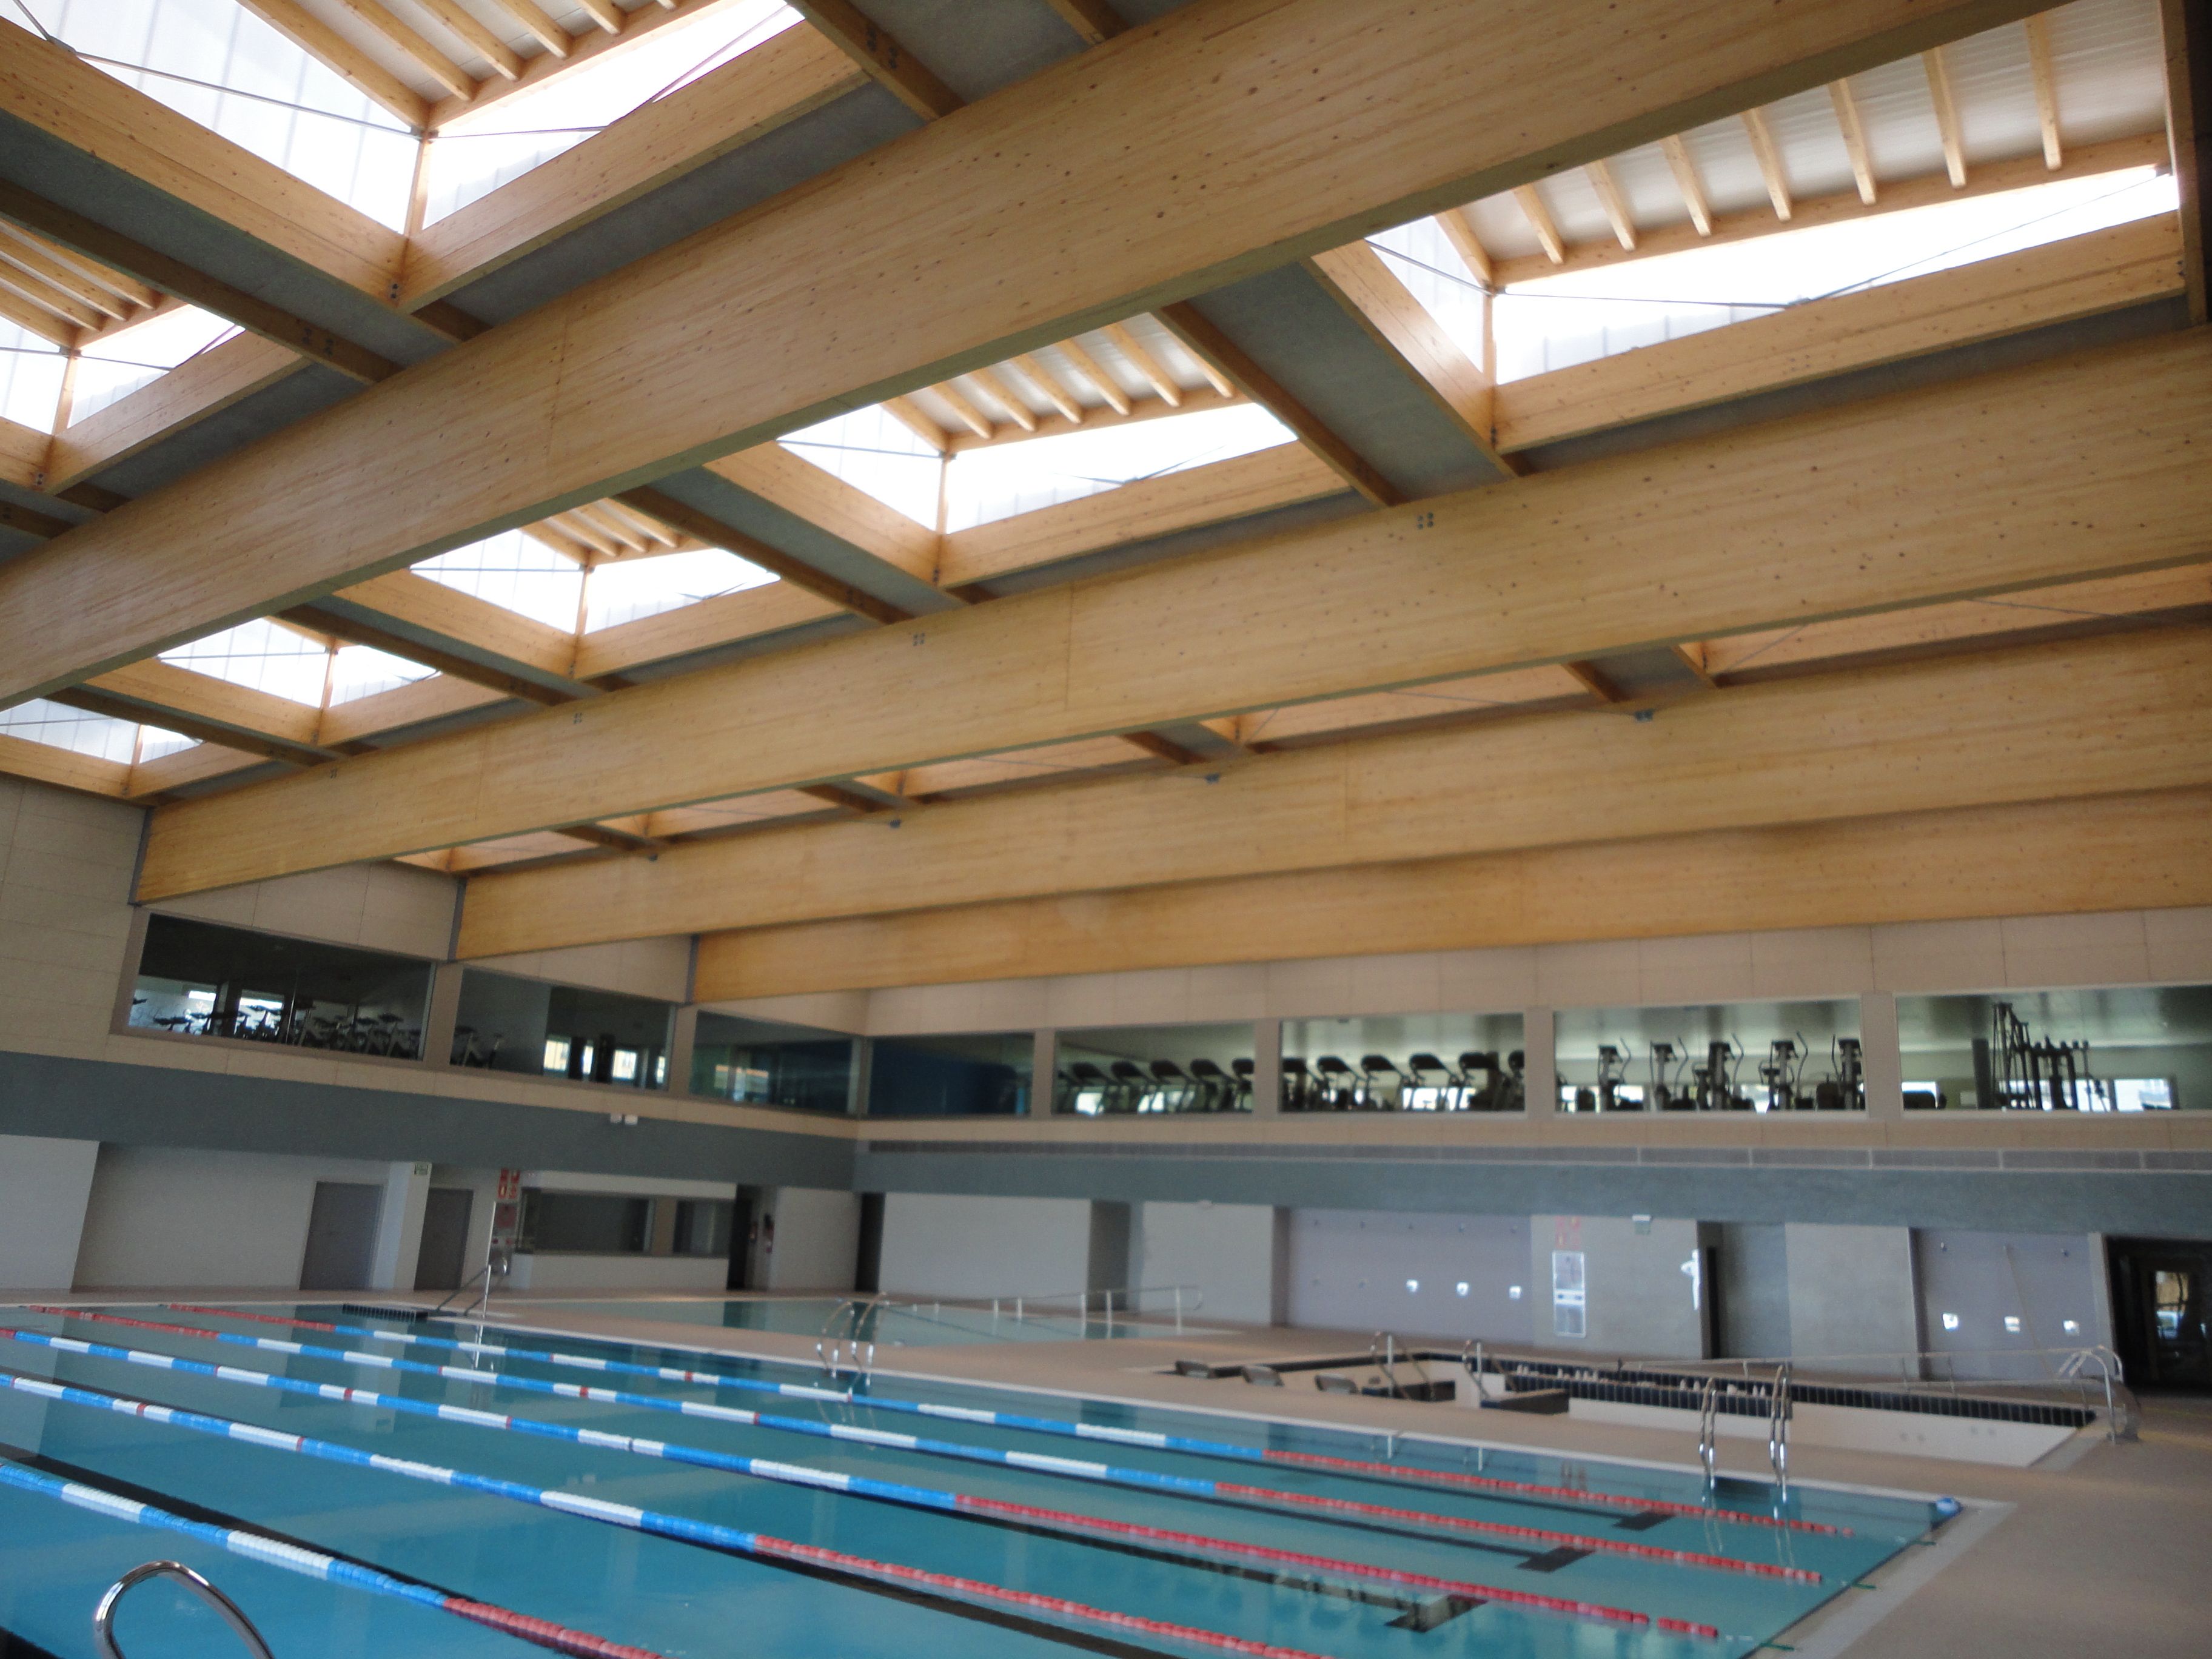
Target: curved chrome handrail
x=103, y=1616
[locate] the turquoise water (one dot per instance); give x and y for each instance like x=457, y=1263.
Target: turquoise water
x=926, y=1325
x=683, y=1601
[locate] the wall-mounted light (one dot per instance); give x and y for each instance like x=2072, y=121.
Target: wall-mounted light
x=1512, y=1293
x=2072, y=1327
x=1950, y=1321
x=1412, y=1287
x=2012, y=1324
x=1459, y=1289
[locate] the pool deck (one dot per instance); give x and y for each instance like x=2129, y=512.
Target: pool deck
x=2098, y=1547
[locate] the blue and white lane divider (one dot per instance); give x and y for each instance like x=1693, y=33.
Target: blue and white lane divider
x=1392, y=1474
x=799, y=1474
x=707, y=1533
x=312, y=1563
x=1198, y=1487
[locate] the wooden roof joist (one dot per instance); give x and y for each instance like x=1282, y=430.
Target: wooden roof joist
x=2036, y=858
x=1975, y=487
x=743, y=331
x=2074, y=719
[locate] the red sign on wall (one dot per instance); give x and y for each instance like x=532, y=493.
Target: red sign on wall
x=510, y=1185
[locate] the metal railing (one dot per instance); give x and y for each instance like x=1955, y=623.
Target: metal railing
x=1778, y=1430
x=2087, y=1377
x=103, y=1617
x=1383, y=1355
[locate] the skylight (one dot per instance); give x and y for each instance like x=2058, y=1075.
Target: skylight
x=113, y=367
x=215, y=62
x=362, y=671
x=30, y=378
x=1555, y=322
x=262, y=655
x=513, y=571
x=59, y=727
x=998, y=480
x=626, y=589
x=475, y=155
x=874, y=452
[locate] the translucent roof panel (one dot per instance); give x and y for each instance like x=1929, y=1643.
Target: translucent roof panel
x=875, y=452
x=220, y=65
x=626, y=589
x=1581, y=315
x=40, y=721
x=115, y=366
x=261, y=655
x=996, y=483
x=1421, y=256
x=476, y=154
x=513, y=571
x=31, y=372
x=362, y=671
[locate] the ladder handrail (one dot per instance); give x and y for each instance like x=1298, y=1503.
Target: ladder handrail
x=103, y=1616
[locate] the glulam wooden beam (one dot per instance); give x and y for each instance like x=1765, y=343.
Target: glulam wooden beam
x=2186, y=32
x=1348, y=119
x=1974, y=487
x=2142, y=851
x=2075, y=719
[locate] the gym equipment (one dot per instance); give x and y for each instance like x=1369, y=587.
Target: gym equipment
x=1612, y=1081
x=2015, y=1071
x=1427, y=1075
x=1300, y=1091
x=1715, y=1080
x=1668, y=1061
x=1382, y=1085
x=1779, y=1073
x=1339, y=1084
x=1488, y=1096
x=1844, y=1088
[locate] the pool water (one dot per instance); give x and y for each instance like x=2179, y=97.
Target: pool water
x=905, y=1325
x=682, y=1598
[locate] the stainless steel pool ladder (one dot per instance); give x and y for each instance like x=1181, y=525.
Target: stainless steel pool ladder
x=103, y=1617
x=1383, y=1354
x=1777, y=1430
x=1709, y=1405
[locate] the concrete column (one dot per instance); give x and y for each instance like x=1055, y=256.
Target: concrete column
x=682, y=1037
x=45, y=1187
x=856, y=1095
x=1543, y=1079
x=400, y=1227
x=1266, y=1067
x=444, y=1013
x=1044, y=1072
x=1884, y=1061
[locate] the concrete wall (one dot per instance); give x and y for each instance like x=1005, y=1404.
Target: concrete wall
x=658, y=968
x=2041, y=1279
x=1350, y=1270
x=818, y=1240
x=160, y=1216
x=45, y=1185
x=1227, y=1250
x=939, y=1245
x=1851, y=1297
x=548, y=1275
x=1639, y=1301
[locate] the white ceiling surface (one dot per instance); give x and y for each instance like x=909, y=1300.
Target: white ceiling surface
x=2108, y=68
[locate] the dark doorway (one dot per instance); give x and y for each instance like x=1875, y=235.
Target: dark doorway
x=443, y=1259
x=341, y=1237
x=741, y=1239
x=2162, y=1311
x=868, y=1270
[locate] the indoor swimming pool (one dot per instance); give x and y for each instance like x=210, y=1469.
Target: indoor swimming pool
x=363, y=1488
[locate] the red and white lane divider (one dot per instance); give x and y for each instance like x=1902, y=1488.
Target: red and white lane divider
x=312, y=1563
x=1397, y=1473
x=1179, y=1485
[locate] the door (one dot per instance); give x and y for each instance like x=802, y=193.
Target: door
x=442, y=1262
x=741, y=1238
x=2162, y=1311
x=341, y=1237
